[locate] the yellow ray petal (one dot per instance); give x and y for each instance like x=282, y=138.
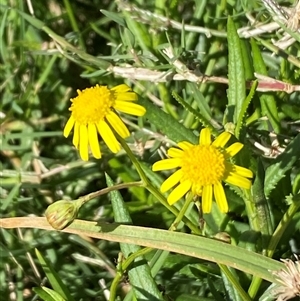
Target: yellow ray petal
x=220, y=197
x=128, y=96
x=76, y=135
x=175, y=152
x=207, y=198
x=69, y=125
x=93, y=140
x=205, y=137
x=117, y=124
x=222, y=139
x=129, y=108
x=234, y=148
x=166, y=164
x=123, y=92
x=83, y=143
x=108, y=136
x=235, y=179
x=179, y=192
x=184, y=145
x=121, y=88
x=171, y=181
x=242, y=171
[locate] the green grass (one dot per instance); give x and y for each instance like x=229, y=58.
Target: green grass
x=194, y=64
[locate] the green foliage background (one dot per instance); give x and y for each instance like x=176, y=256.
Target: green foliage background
x=49, y=51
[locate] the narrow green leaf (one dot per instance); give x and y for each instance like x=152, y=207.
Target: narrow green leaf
x=281, y=165
x=118, y=18
x=66, y=47
x=32, y=20
x=139, y=31
x=296, y=184
x=3, y=47
x=167, y=124
x=43, y=294
x=267, y=101
x=197, y=114
x=12, y=194
x=247, y=59
x=200, y=100
x=139, y=274
x=53, y=277
x=213, y=289
x=245, y=105
x=236, y=75
x=128, y=39
x=182, y=243
x=48, y=294
x=205, y=122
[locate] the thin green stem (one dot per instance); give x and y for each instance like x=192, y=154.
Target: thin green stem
x=234, y=282
x=123, y=267
x=106, y=190
x=74, y=23
x=292, y=59
x=152, y=189
x=182, y=212
x=251, y=211
x=285, y=221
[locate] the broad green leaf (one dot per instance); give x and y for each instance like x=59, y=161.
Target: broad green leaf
x=139, y=273
x=167, y=124
x=53, y=277
x=182, y=243
x=284, y=162
x=236, y=75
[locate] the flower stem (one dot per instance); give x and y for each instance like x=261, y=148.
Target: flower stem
x=95, y=194
x=182, y=212
x=123, y=267
x=285, y=221
x=148, y=185
x=234, y=282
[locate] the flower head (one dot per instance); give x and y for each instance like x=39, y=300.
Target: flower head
x=94, y=112
x=202, y=168
x=289, y=279
x=62, y=213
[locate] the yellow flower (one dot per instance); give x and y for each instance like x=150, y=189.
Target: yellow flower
x=202, y=168
x=94, y=111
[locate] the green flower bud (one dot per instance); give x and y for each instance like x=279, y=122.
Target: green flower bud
x=62, y=213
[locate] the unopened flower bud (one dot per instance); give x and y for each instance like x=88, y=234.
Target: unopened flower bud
x=62, y=213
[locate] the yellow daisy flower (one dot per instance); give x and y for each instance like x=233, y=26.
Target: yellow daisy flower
x=202, y=168
x=94, y=111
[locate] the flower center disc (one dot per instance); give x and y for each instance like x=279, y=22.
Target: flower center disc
x=92, y=104
x=203, y=165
